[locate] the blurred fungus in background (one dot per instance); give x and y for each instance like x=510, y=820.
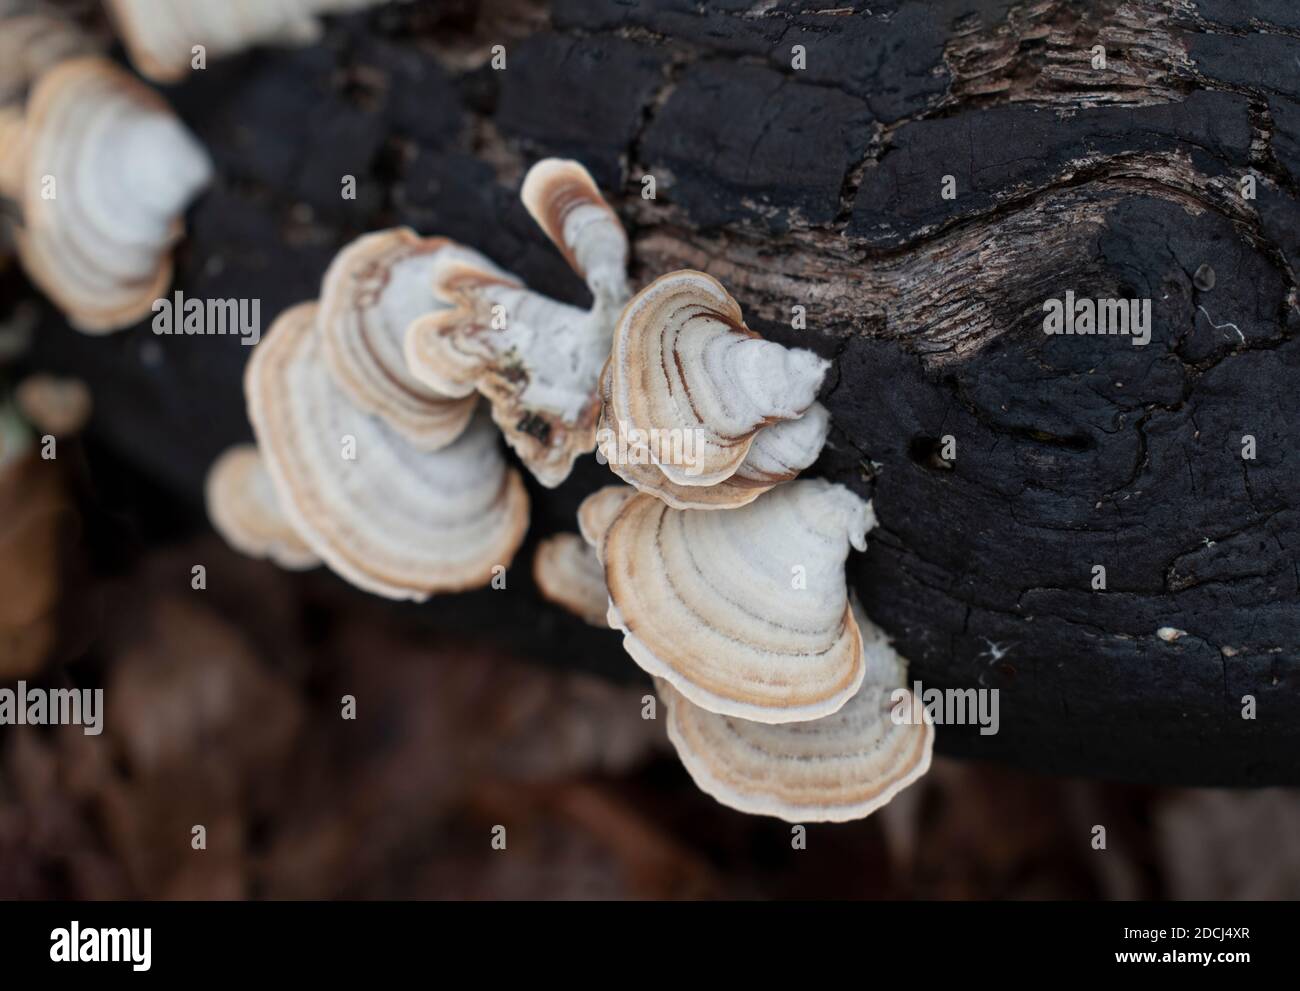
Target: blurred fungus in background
x=32, y=501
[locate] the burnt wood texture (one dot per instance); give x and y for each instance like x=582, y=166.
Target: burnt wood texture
x=822, y=187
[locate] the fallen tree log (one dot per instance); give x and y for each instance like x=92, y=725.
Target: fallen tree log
x=903, y=189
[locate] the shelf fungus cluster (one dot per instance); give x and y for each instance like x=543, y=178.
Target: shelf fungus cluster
x=721, y=568
x=100, y=172
x=164, y=37
x=374, y=454
x=840, y=767
x=538, y=361
x=725, y=572
x=781, y=695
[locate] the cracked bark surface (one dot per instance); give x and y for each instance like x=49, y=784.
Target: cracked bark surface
x=821, y=187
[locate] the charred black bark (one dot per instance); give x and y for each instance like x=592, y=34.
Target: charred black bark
x=823, y=187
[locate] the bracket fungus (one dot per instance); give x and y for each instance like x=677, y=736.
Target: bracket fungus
x=568, y=573
x=778, y=454
x=690, y=386
x=372, y=291
x=389, y=518
x=160, y=35
x=32, y=43
x=595, y=515
x=599, y=510
x=745, y=612
x=830, y=768
x=568, y=567
x=244, y=508
x=538, y=361
x=107, y=172
x=840, y=767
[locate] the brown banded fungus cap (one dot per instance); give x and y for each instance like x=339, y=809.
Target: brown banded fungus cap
x=245, y=510
x=840, y=767
x=160, y=35
x=744, y=612
x=778, y=454
x=599, y=510
x=389, y=518
x=562, y=197
x=108, y=172
x=537, y=360
x=31, y=43
x=568, y=573
x=690, y=386
x=372, y=291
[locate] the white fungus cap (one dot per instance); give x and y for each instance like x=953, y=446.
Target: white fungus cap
x=694, y=387
x=30, y=43
x=837, y=768
x=744, y=612
x=778, y=454
x=160, y=35
x=389, y=518
x=371, y=292
x=568, y=573
x=107, y=173
x=245, y=510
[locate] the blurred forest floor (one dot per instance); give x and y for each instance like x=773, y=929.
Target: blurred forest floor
x=224, y=709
